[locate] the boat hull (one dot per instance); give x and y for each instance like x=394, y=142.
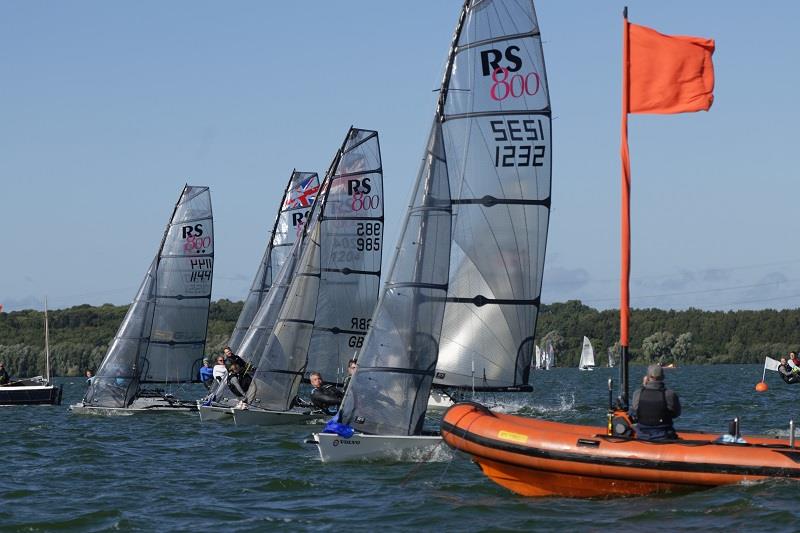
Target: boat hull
x=209, y=413
x=360, y=447
x=147, y=404
x=264, y=417
x=30, y=395
x=540, y=458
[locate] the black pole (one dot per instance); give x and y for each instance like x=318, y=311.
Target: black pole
x=623, y=377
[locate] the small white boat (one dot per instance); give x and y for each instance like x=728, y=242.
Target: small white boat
x=407, y=448
x=587, y=355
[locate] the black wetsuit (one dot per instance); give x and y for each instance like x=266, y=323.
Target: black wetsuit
x=239, y=382
x=327, y=398
x=788, y=374
x=4, y=377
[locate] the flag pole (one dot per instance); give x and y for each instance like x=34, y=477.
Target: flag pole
x=625, y=273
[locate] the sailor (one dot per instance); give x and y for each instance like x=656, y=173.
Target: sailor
x=89, y=376
x=4, y=377
x=231, y=358
x=206, y=374
x=238, y=380
x=790, y=374
x=325, y=397
x=220, y=371
x=352, y=366
x=795, y=361
x=654, y=406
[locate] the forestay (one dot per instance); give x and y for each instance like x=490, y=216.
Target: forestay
x=298, y=197
x=337, y=277
x=466, y=278
x=162, y=337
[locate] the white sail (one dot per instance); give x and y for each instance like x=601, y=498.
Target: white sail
x=463, y=290
x=162, y=337
x=587, y=355
x=539, y=363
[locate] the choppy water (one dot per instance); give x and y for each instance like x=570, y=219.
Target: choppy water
x=169, y=472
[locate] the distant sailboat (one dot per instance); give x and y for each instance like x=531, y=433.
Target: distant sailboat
x=38, y=390
x=293, y=211
x=612, y=361
x=459, y=308
x=587, y=355
x=162, y=337
x=550, y=357
x=539, y=364
x=326, y=314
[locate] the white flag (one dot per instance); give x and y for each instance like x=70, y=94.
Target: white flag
x=771, y=364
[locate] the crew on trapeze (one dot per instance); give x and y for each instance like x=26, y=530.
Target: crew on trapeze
x=654, y=406
x=789, y=369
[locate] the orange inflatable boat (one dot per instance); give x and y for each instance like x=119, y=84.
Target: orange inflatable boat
x=540, y=458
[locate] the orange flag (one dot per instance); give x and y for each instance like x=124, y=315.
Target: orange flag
x=661, y=74
x=668, y=73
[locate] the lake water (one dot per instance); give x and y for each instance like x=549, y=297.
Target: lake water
x=170, y=472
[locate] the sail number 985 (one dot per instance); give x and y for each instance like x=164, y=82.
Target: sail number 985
x=368, y=236
x=518, y=131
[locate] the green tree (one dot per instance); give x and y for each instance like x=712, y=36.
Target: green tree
x=683, y=346
x=658, y=346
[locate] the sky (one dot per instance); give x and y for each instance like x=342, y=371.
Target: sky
x=108, y=108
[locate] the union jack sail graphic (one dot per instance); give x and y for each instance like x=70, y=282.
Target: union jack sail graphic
x=303, y=194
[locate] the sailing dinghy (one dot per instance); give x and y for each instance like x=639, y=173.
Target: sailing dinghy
x=461, y=300
x=162, y=337
x=294, y=209
x=587, y=355
x=38, y=390
x=326, y=314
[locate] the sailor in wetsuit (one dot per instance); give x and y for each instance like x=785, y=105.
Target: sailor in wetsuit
x=654, y=406
x=325, y=397
x=790, y=374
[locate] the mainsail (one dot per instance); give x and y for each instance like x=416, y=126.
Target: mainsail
x=326, y=312
x=162, y=337
x=587, y=354
x=466, y=277
x=294, y=209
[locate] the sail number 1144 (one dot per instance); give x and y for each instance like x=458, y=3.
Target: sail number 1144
x=520, y=143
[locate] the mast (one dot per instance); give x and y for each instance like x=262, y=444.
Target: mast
x=625, y=269
x=46, y=343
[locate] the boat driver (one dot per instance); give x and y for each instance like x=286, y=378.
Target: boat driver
x=654, y=406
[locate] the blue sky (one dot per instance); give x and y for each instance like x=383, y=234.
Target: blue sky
x=107, y=108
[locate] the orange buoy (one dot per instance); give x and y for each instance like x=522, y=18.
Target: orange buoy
x=762, y=386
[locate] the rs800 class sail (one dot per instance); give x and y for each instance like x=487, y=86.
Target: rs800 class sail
x=463, y=290
x=336, y=280
x=162, y=337
x=351, y=248
x=296, y=203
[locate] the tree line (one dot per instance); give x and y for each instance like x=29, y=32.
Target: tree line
x=79, y=336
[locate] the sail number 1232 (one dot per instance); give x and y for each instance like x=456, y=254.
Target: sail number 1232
x=515, y=131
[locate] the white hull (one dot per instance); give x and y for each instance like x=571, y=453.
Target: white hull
x=214, y=412
x=264, y=417
x=587, y=368
x=439, y=401
x=417, y=448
